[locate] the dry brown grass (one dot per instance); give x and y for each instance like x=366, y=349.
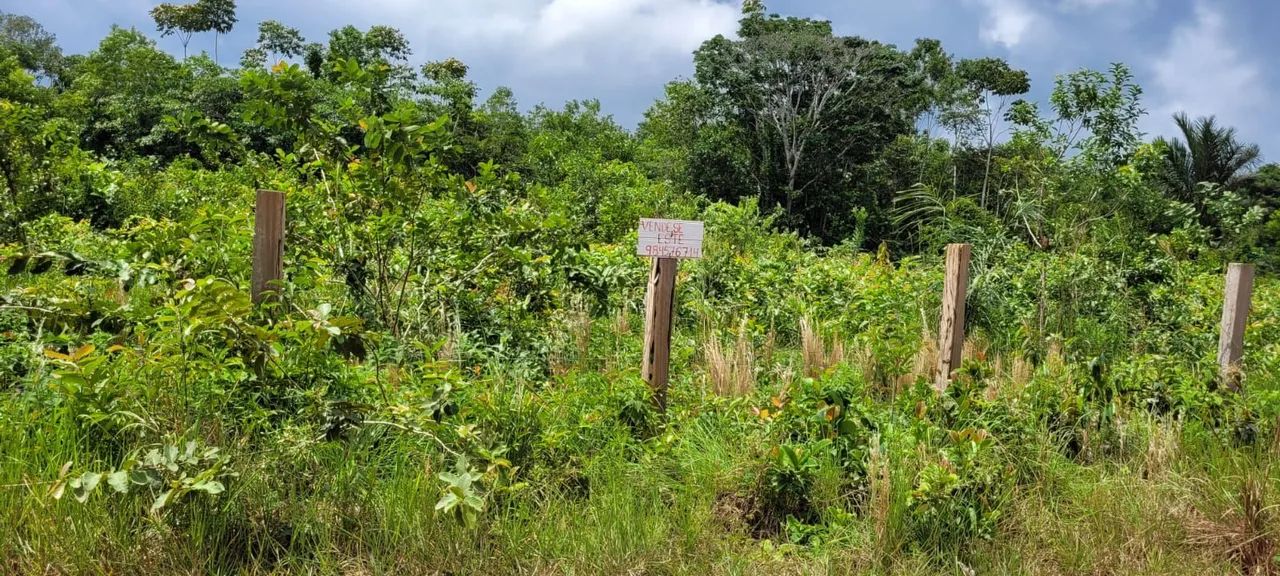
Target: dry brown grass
x=621, y=322
x=926, y=360
x=976, y=349
x=1163, y=447
x=1245, y=533
x=575, y=349
x=1054, y=359
x=819, y=354
x=880, y=501
x=1275, y=437
x=770, y=349
x=865, y=358
x=732, y=372
x=1020, y=372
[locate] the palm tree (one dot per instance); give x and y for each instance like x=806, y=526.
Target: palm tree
x=1208, y=152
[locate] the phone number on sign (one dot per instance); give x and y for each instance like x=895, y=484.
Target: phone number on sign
x=671, y=251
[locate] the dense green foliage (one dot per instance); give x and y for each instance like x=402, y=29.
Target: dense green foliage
x=448, y=379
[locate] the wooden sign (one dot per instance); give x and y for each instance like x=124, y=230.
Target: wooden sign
x=670, y=238
x=665, y=241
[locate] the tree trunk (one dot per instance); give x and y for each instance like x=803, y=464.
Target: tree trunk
x=986, y=174
x=11, y=184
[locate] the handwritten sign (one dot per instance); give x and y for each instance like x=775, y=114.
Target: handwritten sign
x=670, y=238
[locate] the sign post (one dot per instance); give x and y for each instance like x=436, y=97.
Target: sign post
x=268, y=244
x=951, y=328
x=1235, y=314
x=664, y=241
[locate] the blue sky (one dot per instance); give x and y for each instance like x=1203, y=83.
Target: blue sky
x=1202, y=56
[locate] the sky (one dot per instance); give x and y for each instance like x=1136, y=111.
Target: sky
x=1199, y=56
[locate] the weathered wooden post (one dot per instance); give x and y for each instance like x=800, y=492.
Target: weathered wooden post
x=659, y=304
x=951, y=328
x=268, y=244
x=1235, y=314
x=665, y=241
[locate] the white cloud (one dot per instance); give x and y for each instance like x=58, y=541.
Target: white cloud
x=582, y=33
x=1081, y=5
x=1202, y=72
x=1009, y=23
x=1118, y=15
x=554, y=36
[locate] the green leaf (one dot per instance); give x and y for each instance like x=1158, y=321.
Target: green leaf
x=161, y=500
x=119, y=480
x=448, y=501
x=211, y=487
x=85, y=485
x=143, y=478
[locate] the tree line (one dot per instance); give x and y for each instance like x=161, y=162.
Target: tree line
x=843, y=139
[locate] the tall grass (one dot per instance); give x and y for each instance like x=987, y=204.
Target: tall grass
x=1144, y=494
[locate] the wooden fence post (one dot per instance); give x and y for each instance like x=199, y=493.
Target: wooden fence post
x=659, y=303
x=268, y=244
x=1235, y=314
x=951, y=328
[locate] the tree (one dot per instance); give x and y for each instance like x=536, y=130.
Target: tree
x=1263, y=186
x=220, y=17
x=448, y=91
x=41, y=168
x=185, y=20
x=582, y=130
x=811, y=109
x=280, y=40
x=1100, y=115
x=20, y=119
x=382, y=52
x=314, y=56
x=1207, y=152
x=1064, y=174
x=502, y=136
x=945, y=103
x=275, y=41
x=182, y=20
x=35, y=48
x=379, y=45
x=806, y=84
x=490, y=132
x=673, y=138
x=991, y=81
x=948, y=104
x=122, y=90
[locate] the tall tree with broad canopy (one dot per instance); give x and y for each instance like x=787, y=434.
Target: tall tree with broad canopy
x=123, y=89
x=185, y=20
x=809, y=109
x=181, y=20
x=381, y=50
x=35, y=48
x=275, y=41
x=220, y=16
x=991, y=82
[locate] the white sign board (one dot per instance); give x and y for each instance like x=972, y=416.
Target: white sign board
x=670, y=238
